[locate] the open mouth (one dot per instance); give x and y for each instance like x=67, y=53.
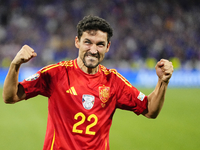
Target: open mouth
x=91, y=60
x=91, y=56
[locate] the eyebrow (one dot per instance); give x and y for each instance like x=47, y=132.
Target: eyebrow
x=86, y=39
x=100, y=42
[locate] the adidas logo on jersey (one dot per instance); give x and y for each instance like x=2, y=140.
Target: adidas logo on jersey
x=72, y=91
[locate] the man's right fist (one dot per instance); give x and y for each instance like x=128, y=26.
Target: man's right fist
x=24, y=55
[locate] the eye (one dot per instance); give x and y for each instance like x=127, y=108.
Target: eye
x=101, y=44
x=87, y=42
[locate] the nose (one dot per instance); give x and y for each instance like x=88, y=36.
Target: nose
x=93, y=49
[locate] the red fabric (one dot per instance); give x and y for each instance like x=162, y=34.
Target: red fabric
x=73, y=123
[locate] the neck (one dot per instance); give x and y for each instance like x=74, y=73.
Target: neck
x=86, y=69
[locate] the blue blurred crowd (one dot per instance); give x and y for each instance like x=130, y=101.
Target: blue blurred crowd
x=144, y=31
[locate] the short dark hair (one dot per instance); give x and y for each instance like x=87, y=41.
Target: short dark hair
x=94, y=23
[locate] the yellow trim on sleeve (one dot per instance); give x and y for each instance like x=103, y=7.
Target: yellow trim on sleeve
x=63, y=63
x=53, y=66
x=107, y=72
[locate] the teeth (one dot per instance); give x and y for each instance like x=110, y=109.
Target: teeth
x=91, y=57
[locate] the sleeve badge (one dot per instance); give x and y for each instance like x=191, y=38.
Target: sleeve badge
x=33, y=77
x=141, y=96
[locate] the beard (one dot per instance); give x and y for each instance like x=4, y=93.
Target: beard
x=91, y=64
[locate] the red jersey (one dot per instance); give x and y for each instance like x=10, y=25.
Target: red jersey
x=80, y=105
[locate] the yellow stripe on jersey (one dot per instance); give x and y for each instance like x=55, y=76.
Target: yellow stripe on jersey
x=63, y=63
x=105, y=144
x=48, y=68
x=69, y=63
x=106, y=72
x=75, y=64
x=73, y=90
x=53, y=141
x=66, y=63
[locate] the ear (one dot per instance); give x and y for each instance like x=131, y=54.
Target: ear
x=108, y=47
x=77, y=42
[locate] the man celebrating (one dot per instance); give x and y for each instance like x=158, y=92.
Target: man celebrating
x=83, y=94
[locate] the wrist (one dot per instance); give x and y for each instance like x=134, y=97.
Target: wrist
x=163, y=81
x=15, y=65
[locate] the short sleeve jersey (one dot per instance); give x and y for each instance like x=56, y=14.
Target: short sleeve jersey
x=80, y=105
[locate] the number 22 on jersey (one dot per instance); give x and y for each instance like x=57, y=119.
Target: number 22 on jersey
x=83, y=119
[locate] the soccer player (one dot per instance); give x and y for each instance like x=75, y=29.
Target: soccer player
x=83, y=94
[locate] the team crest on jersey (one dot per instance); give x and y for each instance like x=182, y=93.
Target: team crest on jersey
x=33, y=77
x=104, y=93
x=88, y=101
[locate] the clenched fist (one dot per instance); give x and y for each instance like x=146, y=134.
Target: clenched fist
x=164, y=70
x=24, y=55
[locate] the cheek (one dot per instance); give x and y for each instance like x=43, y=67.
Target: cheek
x=102, y=54
x=81, y=52
x=84, y=47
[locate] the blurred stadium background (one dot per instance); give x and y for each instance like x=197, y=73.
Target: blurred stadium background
x=144, y=32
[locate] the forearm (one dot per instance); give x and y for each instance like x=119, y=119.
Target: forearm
x=164, y=70
x=10, y=88
x=156, y=99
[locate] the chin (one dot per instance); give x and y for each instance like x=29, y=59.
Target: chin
x=91, y=65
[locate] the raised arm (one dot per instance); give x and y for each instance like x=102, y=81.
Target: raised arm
x=164, y=70
x=12, y=90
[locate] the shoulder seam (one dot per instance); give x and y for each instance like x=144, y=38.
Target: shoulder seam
x=62, y=63
x=114, y=71
x=48, y=67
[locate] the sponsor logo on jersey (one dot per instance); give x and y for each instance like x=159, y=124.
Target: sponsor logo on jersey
x=104, y=93
x=72, y=91
x=88, y=101
x=33, y=77
x=141, y=96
